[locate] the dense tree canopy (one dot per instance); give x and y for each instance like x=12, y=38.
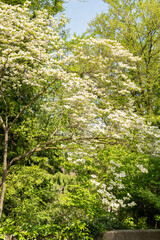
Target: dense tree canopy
x=67, y=110
x=52, y=7
x=136, y=25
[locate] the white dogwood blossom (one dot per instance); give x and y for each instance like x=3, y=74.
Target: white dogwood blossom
x=142, y=169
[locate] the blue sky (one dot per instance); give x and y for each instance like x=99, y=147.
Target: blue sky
x=81, y=12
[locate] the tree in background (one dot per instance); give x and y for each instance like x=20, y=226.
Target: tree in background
x=136, y=25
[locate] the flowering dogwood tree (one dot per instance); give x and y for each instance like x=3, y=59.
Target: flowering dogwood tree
x=99, y=104
x=28, y=66
x=98, y=98
x=80, y=97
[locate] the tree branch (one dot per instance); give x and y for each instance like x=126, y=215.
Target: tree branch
x=3, y=124
x=1, y=119
x=45, y=147
x=29, y=104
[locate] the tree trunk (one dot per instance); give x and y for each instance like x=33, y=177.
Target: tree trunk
x=4, y=174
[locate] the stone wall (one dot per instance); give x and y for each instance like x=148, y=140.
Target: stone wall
x=132, y=235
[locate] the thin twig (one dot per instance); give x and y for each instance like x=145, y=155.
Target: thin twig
x=3, y=124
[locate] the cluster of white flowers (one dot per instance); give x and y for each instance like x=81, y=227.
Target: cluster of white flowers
x=106, y=190
x=25, y=46
x=142, y=169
